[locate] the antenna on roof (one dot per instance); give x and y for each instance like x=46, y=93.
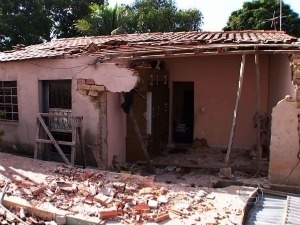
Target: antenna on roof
x=280, y=15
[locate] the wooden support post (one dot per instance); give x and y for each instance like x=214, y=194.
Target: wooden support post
x=242, y=71
x=37, y=143
x=258, y=128
x=142, y=143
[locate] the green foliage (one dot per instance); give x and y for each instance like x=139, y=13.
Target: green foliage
x=101, y=20
x=141, y=16
x=162, y=16
x=264, y=15
x=23, y=22
x=64, y=13
x=35, y=21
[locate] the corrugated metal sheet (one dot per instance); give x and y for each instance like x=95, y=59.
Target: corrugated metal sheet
x=293, y=211
x=273, y=210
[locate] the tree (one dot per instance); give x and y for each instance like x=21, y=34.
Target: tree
x=264, y=15
x=163, y=16
x=64, y=13
x=102, y=19
x=23, y=22
x=141, y=16
x=31, y=22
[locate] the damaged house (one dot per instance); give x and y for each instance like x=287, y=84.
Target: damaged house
x=71, y=98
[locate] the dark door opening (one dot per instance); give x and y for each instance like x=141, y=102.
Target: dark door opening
x=56, y=99
x=183, y=112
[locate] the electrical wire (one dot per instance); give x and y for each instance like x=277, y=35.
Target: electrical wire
x=60, y=68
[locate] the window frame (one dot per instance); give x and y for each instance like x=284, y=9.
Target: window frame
x=9, y=107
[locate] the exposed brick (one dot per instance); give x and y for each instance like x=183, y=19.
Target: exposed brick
x=83, y=92
x=98, y=88
x=80, y=86
x=90, y=81
x=80, y=81
x=93, y=93
x=86, y=87
x=109, y=214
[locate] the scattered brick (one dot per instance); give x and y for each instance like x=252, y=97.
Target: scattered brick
x=109, y=214
x=142, y=208
x=36, y=191
x=177, y=212
x=103, y=199
x=162, y=217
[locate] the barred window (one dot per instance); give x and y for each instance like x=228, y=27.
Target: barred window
x=8, y=100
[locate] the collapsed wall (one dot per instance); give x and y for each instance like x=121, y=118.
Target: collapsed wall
x=284, y=165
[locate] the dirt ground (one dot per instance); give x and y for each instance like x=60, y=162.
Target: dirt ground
x=174, y=195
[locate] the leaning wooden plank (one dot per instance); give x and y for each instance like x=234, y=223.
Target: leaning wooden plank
x=6, y=210
x=17, y=202
x=53, y=140
x=242, y=71
x=143, y=146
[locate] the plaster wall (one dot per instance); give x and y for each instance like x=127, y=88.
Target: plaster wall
x=29, y=73
x=215, y=88
x=116, y=126
x=280, y=80
x=284, y=147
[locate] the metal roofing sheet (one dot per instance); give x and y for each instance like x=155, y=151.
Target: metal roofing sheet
x=273, y=210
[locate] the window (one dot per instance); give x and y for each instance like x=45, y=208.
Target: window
x=8, y=100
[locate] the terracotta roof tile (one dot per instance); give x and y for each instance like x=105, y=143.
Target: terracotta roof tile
x=142, y=44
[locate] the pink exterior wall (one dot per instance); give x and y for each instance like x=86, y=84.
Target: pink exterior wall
x=215, y=87
x=280, y=80
x=29, y=73
x=116, y=127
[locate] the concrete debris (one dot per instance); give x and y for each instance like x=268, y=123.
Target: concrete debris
x=68, y=195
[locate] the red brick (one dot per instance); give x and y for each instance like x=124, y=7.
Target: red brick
x=109, y=214
x=162, y=217
x=80, y=81
x=142, y=208
x=90, y=81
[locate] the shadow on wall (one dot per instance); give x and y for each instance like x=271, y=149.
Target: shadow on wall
x=89, y=145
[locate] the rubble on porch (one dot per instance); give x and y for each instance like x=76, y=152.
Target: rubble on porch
x=61, y=194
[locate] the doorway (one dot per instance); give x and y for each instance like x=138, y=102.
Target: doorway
x=183, y=112
x=56, y=99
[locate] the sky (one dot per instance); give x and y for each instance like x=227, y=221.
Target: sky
x=215, y=12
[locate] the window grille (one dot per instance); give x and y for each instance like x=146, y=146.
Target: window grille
x=8, y=101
